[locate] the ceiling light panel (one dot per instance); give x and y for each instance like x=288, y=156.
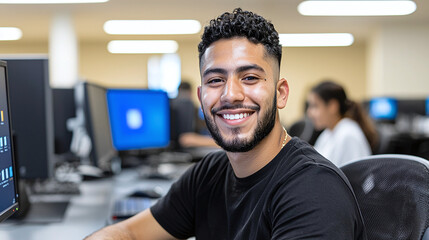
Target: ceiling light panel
x=142, y=46
x=152, y=27
x=356, y=8
x=316, y=39
x=10, y=33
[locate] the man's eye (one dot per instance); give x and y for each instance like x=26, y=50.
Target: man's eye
x=214, y=81
x=251, y=78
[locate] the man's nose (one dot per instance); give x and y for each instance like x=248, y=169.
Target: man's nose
x=233, y=91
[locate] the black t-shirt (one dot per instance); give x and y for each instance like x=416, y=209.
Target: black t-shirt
x=298, y=195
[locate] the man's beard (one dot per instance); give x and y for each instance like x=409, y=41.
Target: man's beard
x=264, y=126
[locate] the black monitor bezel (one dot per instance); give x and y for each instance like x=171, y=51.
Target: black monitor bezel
x=14, y=207
x=103, y=162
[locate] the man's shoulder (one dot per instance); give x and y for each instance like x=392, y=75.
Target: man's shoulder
x=300, y=153
x=303, y=159
x=308, y=171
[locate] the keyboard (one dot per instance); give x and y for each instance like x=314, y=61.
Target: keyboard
x=55, y=187
x=128, y=207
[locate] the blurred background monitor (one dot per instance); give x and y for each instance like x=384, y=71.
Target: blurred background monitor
x=412, y=107
x=8, y=183
x=103, y=155
x=64, y=109
x=427, y=106
x=139, y=118
x=383, y=108
x=32, y=118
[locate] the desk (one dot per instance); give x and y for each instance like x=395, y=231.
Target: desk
x=411, y=144
x=86, y=212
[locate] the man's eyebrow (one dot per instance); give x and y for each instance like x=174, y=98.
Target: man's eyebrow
x=249, y=67
x=238, y=70
x=214, y=70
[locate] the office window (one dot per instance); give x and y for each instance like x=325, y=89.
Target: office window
x=164, y=73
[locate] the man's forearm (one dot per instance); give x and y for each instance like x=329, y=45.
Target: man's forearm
x=113, y=232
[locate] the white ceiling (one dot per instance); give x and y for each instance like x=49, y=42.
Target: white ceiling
x=35, y=20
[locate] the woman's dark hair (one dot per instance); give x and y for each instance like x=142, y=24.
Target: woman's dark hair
x=241, y=23
x=329, y=90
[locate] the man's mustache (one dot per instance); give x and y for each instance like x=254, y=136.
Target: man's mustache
x=234, y=106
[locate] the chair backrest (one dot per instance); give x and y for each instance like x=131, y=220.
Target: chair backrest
x=305, y=130
x=393, y=194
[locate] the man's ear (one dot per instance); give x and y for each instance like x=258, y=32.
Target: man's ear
x=282, y=93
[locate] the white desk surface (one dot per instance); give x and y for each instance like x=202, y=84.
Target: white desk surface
x=86, y=212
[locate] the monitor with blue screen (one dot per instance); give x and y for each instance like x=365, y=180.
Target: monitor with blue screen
x=139, y=118
x=8, y=180
x=383, y=108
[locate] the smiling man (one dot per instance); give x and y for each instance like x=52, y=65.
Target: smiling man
x=265, y=184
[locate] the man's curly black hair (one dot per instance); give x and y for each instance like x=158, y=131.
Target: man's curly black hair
x=241, y=23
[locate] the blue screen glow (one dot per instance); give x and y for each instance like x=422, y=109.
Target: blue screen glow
x=427, y=106
x=383, y=108
x=139, y=118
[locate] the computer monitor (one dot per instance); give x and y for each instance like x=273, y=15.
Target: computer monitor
x=139, y=118
x=103, y=154
x=411, y=106
x=427, y=106
x=32, y=118
x=64, y=109
x=383, y=108
x=8, y=183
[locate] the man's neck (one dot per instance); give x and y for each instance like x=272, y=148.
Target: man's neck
x=246, y=163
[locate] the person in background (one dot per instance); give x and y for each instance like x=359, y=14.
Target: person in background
x=188, y=126
x=349, y=132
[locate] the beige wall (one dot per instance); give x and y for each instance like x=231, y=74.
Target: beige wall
x=398, y=57
x=302, y=67
x=305, y=67
x=111, y=70
x=129, y=70
x=188, y=52
x=21, y=47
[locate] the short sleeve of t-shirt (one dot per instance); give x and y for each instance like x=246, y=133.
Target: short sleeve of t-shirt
x=175, y=212
x=178, y=204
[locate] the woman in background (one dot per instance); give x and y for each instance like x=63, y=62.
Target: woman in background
x=349, y=132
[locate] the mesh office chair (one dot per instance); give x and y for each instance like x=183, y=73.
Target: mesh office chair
x=393, y=193
x=305, y=130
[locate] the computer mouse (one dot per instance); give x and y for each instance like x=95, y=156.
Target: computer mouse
x=145, y=193
x=90, y=172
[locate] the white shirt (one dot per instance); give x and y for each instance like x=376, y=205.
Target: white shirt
x=344, y=143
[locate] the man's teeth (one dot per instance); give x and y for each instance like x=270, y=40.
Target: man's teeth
x=235, y=116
